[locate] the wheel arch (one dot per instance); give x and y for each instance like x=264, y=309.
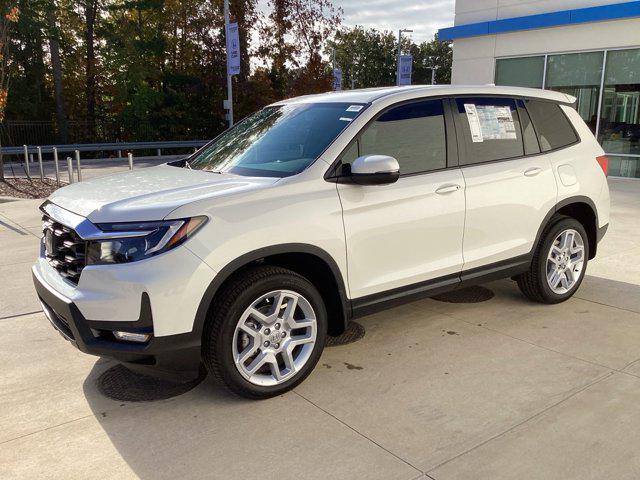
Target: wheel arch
x=582, y=209
x=307, y=260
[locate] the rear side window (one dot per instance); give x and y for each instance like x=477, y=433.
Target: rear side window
x=490, y=129
x=552, y=125
x=414, y=134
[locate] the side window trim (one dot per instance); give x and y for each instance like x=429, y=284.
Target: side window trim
x=522, y=106
x=453, y=153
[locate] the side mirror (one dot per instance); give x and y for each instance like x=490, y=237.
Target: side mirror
x=375, y=170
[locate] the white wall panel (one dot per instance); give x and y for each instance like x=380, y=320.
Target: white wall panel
x=476, y=71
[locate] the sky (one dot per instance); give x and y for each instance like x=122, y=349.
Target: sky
x=424, y=17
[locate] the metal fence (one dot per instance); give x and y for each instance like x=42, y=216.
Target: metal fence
x=155, y=148
x=17, y=133
x=32, y=159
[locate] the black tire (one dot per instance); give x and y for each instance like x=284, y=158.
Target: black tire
x=236, y=296
x=533, y=284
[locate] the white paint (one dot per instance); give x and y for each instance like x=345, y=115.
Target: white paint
x=403, y=233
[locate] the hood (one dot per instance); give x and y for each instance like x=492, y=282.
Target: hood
x=150, y=193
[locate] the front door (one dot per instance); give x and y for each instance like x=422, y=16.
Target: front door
x=410, y=232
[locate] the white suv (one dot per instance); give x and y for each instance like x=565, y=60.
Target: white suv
x=316, y=210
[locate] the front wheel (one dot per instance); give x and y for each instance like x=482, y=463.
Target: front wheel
x=266, y=334
x=559, y=263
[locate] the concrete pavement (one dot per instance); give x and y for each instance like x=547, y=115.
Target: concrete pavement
x=504, y=389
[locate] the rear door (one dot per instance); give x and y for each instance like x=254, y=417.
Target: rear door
x=510, y=185
x=408, y=232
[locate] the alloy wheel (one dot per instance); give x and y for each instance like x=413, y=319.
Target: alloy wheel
x=274, y=337
x=565, y=261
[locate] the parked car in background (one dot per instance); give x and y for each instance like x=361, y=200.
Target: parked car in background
x=317, y=210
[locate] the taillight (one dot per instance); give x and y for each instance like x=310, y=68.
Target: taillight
x=603, y=161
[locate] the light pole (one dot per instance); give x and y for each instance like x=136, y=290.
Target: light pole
x=400, y=32
x=434, y=69
x=229, y=102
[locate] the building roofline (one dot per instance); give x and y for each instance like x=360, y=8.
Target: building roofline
x=601, y=13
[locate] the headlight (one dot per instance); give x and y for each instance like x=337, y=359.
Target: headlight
x=130, y=242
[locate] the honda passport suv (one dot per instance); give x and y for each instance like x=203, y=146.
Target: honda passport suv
x=317, y=210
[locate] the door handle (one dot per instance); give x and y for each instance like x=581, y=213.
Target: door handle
x=532, y=172
x=447, y=189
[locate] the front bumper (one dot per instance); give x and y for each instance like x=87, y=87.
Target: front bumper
x=172, y=356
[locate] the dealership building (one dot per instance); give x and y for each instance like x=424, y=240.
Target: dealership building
x=587, y=48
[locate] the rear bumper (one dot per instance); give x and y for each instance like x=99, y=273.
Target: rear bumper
x=172, y=356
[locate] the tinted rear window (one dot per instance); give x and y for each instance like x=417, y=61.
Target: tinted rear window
x=552, y=125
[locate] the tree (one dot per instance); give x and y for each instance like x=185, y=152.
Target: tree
x=429, y=54
x=9, y=18
x=56, y=65
x=293, y=39
x=134, y=70
x=368, y=58
x=27, y=67
x=91, y=16
x=276, y=47
x=314, y=23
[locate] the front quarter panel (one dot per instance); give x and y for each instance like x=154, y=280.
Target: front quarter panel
x=303, y=209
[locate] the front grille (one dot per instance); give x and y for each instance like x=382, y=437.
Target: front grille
x=65, y=250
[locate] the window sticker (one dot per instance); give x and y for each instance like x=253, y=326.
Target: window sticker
x=490, y=122
x=474, y=122
x=354, y=108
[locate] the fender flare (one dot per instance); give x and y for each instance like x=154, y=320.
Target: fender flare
x=249, y=257
x=563, y=203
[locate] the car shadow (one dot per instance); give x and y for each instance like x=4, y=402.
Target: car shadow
x=171, y=438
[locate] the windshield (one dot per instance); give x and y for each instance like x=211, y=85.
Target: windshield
x=276, y=141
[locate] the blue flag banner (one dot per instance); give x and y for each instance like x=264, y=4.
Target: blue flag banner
x=405, y=69
x=233, y=50
x=337, y=79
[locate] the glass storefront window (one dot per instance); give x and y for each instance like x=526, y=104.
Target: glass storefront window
x=520, y=72
x=620, y=117
x=624, y=166
x=578, y=74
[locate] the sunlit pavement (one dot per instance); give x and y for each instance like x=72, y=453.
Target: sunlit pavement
x=500, y=389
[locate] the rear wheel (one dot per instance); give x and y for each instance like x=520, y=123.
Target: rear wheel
x=267, y=333
x=559, y=263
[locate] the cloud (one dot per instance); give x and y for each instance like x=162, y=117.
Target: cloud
x=423, y=17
